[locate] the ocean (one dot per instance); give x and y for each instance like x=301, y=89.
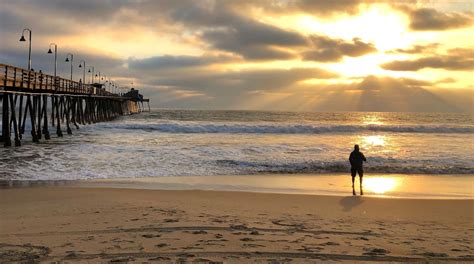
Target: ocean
x=208, y=143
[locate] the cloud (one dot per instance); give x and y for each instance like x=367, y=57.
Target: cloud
x=455, y=60
x=231, y=32
x=432, y=19
x=446, y=80
x=258, y=44
x=223, y=90
x=236, y=82
x=417, y=49
x=321, y=8
x=325, y=49
x=217, y=25
x=169, y=61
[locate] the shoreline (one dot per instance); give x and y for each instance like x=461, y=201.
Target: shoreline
x=399, y=186
x=77, y=224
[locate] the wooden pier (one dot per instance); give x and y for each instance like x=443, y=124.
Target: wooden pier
x=62, y=103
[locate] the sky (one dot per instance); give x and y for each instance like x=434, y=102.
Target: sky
x=286, y=55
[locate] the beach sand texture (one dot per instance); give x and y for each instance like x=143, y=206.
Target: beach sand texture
x=89, y=225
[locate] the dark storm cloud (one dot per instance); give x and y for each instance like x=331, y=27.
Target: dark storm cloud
x=325, y=49
x=432, y=19
x=455, y=60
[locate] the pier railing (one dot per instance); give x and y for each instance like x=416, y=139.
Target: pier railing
x=17, y=79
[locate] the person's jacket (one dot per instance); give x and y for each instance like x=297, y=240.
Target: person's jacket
x=356, y=159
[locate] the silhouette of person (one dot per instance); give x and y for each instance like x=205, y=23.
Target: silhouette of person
x=357, y=159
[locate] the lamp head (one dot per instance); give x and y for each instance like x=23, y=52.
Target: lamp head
x=22, y=38
x=80, y=65
x=50, y=51
x=67, y=60
x=89, y=70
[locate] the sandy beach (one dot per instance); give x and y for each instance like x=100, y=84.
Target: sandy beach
x=78, y=224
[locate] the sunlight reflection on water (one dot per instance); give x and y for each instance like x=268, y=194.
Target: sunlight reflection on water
x=372, y=119
x=381, y=185
x=375, y=140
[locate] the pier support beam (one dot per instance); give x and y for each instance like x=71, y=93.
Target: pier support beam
x=6, y=132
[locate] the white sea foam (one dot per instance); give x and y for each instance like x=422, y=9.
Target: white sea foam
x=193, y=127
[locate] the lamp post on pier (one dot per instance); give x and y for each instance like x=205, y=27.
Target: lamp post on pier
x=82, y=65
x=29, y=47
x=92, y=74
x=108, y=82
x=98, y=76
x=55, y=57
x=67, y=60
x=104, y=78
x=99, y=79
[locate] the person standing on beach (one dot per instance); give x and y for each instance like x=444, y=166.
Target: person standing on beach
x=357, y=159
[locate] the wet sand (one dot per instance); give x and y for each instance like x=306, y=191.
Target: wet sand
x=77, y=224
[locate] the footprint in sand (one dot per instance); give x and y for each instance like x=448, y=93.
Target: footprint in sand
x=252, y=245
x=239, y=227
x=330, y=243
x=254, y=233
x=151, y=235
x=67, y=245
x=124, y=259
x=310, y=249
x=199, y=232
x=71, y=254
x=160, y=259
x=161, y=245
x=375, y=251
x=435, y=255
x=288, y=224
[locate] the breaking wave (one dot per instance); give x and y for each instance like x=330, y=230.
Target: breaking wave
x=236, y=128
